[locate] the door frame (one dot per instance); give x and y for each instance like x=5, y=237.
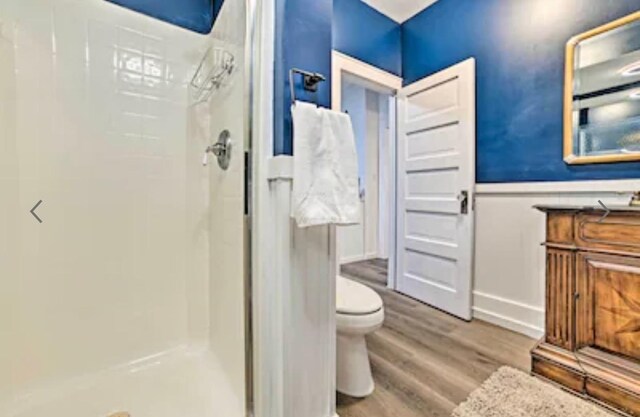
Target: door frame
x=374, y=78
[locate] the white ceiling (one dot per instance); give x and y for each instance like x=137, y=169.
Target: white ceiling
x=400, y=10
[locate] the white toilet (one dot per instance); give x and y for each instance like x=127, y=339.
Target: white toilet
x=359, y=311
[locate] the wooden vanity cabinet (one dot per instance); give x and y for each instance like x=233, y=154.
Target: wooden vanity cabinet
x=592, y=341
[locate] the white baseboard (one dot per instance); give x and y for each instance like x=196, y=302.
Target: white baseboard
x=357, y=258
x=508, y=323
x=510, y=314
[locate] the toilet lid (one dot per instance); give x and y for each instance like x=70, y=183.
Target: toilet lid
x=355, y=298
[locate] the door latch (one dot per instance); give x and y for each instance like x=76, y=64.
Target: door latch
x=464, y=202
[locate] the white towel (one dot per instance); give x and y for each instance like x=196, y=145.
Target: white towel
x=325, y=167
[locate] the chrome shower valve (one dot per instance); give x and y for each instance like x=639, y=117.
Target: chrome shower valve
x=221, y=149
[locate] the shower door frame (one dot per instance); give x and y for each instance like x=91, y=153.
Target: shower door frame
x=253, y=39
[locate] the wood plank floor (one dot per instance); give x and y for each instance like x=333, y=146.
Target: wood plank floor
x=426, y=362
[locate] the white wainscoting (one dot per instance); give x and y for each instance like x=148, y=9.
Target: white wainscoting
x=294, y=286
x=293, y=272
x=509, y=287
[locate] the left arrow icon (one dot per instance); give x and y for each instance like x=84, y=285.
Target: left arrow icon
x=33, y=211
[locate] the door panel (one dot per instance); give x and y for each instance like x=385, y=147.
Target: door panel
x=439, y=141
x=432, y=226
x=432, y=100
x=609, y=294
x=436, y=164
x=433, y=183
x=431, y=270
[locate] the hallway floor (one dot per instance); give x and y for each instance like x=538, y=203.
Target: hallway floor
x=425, y=362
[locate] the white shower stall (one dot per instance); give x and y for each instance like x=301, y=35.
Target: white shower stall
x=126, y=289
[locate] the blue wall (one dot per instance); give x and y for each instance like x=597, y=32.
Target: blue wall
x=519, y=50
x=303, y=40
x=366, y=34
x=196, y=15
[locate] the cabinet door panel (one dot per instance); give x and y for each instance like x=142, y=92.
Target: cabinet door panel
x=609, y=303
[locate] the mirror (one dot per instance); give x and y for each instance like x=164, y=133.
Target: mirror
x=602, y=94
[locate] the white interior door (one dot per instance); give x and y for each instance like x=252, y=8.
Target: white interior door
x=436, y=178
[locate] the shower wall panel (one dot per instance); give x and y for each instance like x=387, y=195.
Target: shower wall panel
x=9, y=197
x=93, y=123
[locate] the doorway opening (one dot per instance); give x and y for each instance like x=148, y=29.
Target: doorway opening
x=369, y=110
x=368, y=95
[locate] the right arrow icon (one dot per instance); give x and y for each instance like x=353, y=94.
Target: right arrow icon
x=606, y=209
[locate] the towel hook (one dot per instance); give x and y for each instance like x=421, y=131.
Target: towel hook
x=310, y=81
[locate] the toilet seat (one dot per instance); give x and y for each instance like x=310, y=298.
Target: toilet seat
x=353, y=298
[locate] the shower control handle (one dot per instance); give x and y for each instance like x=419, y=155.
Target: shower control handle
x=221, y=149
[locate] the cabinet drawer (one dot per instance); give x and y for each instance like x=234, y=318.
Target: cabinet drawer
x=560, y=228
x=617, y=232
x=610, y=395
